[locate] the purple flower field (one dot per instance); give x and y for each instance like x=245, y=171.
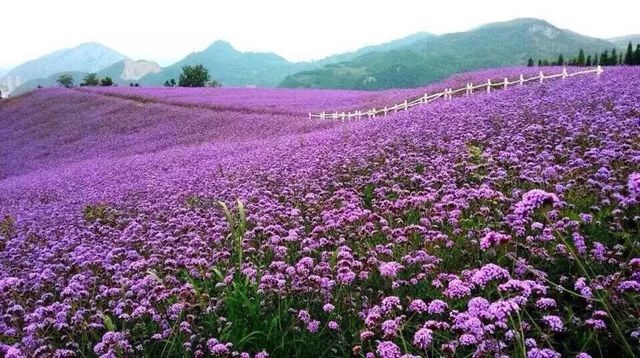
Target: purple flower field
x=302, y=101
x=216, y=223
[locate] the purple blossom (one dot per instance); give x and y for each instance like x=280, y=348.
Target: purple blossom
x=387, y=349
x=390, y=269
x=457, y=289
x=437, y=307
x=423, y=337
x=543, y=353
x=493, y=238
x=313, y=326
x=418, y=306
x=554, y=323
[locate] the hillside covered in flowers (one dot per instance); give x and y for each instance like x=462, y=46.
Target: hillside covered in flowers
x=142, y=222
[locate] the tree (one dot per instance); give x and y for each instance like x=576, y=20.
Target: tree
x=588, y=62
x=90, y=79
x=167, y=84
x=539, y=62
x=194, y=76
x=628, y=56
x=596, y=60
x=172, y=82
x=530, y=62
x=106, y=82
x=65, y=81
x=604, y=58
x=581, y=60
x=636, y=55
x=613, y=60
x=560, y=60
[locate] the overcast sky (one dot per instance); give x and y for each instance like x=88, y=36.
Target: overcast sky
x=166, y=31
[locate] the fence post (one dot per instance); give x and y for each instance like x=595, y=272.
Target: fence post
x=309, y=115
x=322, y=115
x=343, y=116
x=385, y=111
x=406, y=105
x=521, y=79
x=374, y=113
x=541, y=77
x=564, y=73
x=489, y=85
x=598, y=70
x=506, y=83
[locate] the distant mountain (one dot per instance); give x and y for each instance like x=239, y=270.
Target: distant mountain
x=231, y=67
x=387, y=46
x=122, y=73
x=406, y=62
x=87, y=57
x=623, y=41
x=436, y=57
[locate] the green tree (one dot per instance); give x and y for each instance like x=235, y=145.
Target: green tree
x=560, y=60
x=530, y=62
x=65, y=80
x=90, y=79
x=581, y=59
x=613, y=59
x=628, y=56
x=539, y=62
x=596, y=60
x=588, y=61
x=604, y=58
x=194, y=76
x=636, y=55
x=106, y=82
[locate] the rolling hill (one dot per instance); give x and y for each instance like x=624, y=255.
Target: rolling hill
x=436, y=57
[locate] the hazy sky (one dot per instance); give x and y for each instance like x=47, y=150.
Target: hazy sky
x=166, y=31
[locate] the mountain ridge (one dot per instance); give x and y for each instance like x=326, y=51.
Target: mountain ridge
x=433, y=58
x=410, y=61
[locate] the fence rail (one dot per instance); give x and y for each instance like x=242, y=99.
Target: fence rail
x=448, y=94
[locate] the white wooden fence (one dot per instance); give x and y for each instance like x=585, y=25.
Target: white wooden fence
x=448, y=94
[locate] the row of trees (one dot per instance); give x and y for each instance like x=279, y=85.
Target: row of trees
x=191, y=76
x=90, y=80
x=606, y=58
